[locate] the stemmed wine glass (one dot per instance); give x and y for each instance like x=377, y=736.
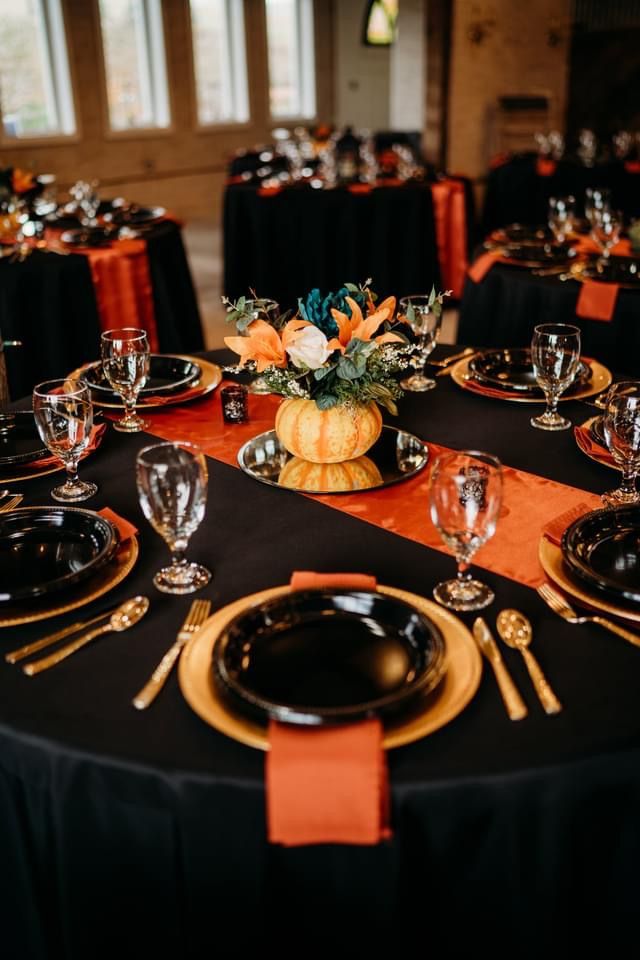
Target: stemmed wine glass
x=425, y=321
x=561, y=217
x=596, y=199
x=172, y=489
x=606, y=227
x=261, y=308
x=125, y=363
x=465, y=493
x=555, y=352
x=63, y=414
x=622, y=433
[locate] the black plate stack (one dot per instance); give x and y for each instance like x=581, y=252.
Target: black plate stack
x=602, y=552
x=511, y=369
x=167, y=375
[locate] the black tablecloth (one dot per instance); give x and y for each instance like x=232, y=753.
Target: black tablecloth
x=516, y=193
x=144, y=833
x=48, y=302
x=503, y=309
x=284, y=245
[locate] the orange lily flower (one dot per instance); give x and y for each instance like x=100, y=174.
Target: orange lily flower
x=360, y=328
x=22, y=180
x=262, y=345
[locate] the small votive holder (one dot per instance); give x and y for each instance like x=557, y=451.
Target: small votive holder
x=234, y=403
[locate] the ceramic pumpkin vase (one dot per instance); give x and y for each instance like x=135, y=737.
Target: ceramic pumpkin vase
x=358, y=474
x=340, y=433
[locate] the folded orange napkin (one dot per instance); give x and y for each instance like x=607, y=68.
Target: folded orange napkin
x=589, y=446
x=545, y=167
x=268, y=191
x=174, y=398
x=94, y=443
x=327, y=785
x=360, y=188
x=124, y=527
x=499, y=160
x=485, y=391
x=554, y=530
x=308, y=580
x=480, y=267
x=597, y=301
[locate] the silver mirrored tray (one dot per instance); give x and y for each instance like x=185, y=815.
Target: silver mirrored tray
x=394, y=457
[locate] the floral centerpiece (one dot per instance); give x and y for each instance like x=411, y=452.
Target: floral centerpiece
x=17, y=184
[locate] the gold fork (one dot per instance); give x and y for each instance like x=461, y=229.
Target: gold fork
x=11, y=503
x=560, y=606
x=198, y=613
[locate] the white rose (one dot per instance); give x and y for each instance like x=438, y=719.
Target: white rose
x=309, y=348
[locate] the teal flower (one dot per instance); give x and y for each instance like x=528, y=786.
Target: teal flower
x=317, y=309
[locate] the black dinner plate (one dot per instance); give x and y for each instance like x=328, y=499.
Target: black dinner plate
x=602, y=549
x=19, y=439
x=597, y=431
x=167, y=375
x=523, y=233
x=616, y=270
x=543, y=254
x=512, y=369
x=47, y=549
x=318, y=657
x=87, y=237
x=134, y=214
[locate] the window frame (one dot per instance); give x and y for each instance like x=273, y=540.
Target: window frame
x=62, y=80
x=239, y=72
x=307, y=56
x=136, y=133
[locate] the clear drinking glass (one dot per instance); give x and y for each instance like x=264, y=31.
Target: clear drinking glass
x=596, y=199
x=561, y=217
x=606, y=227
x=172, y=489
x=465, y=493
x=64, y=417
x=262, y=309
x=125, y=362
x=425, y=323
x=622, y=433
x=555, y=351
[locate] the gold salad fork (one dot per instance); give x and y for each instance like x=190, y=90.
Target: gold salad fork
x=11, y=503
x=198, y=613
x=560, y=606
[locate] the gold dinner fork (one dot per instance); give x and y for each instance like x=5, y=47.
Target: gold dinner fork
x=11, y=503
x=560, y=606
x=198, y=613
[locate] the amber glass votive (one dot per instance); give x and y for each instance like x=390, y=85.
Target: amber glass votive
x=234, y=403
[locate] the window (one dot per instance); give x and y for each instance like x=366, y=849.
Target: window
x=35, y=91
x=219, y=59
x=133, y=44
x=291, y=58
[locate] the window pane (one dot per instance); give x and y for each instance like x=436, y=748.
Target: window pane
x=291, y=61
x=35, y=98
x=133, y=45
x=217, y=30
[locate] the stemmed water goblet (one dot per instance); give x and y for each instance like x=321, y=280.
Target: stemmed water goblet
x=125, y=363
x=596, y=199
x=63, y=413
x=172, y=489
x=622, y=432
x=465, y=494
x=606, y=227
x=555, y=352
x=424, y=316
x=561, y=217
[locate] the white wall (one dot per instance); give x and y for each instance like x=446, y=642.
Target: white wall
x=362, y=77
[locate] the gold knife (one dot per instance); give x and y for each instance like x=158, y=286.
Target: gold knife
x=516, y=707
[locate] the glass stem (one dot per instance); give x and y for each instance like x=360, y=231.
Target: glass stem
x=628, y=485
x=129, y=408
x=463, y=570
x=71, y=467
x=177, y=558
x=552, y=404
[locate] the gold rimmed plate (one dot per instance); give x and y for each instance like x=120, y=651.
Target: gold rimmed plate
x=553, y=565
x=209, y=379
x=594, y=436
x=27, y=471
x=100, y=583
x=600, y=379
x=463, y=668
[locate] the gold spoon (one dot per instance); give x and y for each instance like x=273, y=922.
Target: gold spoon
x=515, y=630
x=121, y=619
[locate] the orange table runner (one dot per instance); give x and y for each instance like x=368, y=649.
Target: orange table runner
x=529, y=501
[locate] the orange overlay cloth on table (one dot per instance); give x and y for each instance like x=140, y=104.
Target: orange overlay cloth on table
x=451, y=233
x=327, y=785
x=528, y=500
x=122, y=282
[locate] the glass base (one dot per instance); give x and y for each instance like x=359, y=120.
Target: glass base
x=550, y=421
x=182, y=578
x=620, y=498
x=418, y=383
x=130, y=425
x=259, y=386
x=69, y=492
x=463, y=594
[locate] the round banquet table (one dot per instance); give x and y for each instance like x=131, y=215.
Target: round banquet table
x=505, y=306
x=146, y=831
x=49, y=303
x=518, y=193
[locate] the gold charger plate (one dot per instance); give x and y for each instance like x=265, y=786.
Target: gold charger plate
x=102, y=582
x=593, y=456
x=211, y=377
x=551, y=560
x=463, y=665
x=600, y=379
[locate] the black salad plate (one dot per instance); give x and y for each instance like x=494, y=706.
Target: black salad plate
x=523, y=233
x=540, y=253
x=625, y=270
x=512, y=369
x=167, y=375
x=19, y=439
x=602, y=549
x=87, y=237
x=394, y=457
x=46, y=549
x=134, y=214
x=318, y=657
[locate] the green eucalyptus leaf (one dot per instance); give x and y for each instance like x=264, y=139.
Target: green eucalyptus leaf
x=326, y=401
